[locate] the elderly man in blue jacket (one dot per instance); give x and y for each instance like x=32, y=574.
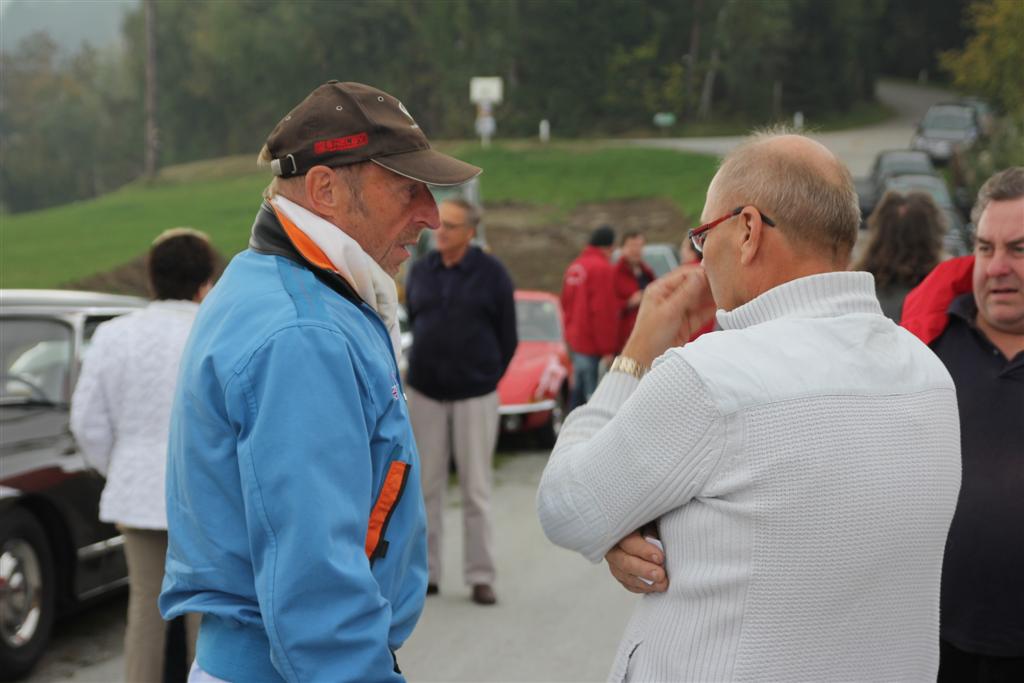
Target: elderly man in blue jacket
x=296, y=525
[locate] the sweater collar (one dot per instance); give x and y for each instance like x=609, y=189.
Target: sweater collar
x=824, y=295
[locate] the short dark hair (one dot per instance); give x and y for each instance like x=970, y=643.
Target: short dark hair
x=1007, y=184
x=180, y=261
x=630, y=234
x=603, y=236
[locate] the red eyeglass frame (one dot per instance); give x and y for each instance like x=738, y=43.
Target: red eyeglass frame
x=695, y=233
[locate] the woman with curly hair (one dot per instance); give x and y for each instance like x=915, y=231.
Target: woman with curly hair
x=905, y=243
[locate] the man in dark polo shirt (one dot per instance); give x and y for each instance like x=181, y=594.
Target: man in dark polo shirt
x=463, y=319
x=971, y=312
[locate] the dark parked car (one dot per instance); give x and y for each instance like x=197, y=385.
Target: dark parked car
x=946, y=129
x=54, y=552
x=890, y=164
x=957, y=240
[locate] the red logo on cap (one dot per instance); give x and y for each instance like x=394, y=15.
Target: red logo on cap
x=341, y=144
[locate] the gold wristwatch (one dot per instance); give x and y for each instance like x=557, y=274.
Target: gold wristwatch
x=628, y=366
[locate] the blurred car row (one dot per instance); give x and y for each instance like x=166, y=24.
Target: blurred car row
x=945, y=130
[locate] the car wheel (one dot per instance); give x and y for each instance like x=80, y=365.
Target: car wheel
x=26, y=592
x=549, y=432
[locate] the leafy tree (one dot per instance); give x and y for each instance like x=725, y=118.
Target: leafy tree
x=990, y=63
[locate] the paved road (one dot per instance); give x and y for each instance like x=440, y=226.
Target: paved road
x=856, y=147
x=558, y=618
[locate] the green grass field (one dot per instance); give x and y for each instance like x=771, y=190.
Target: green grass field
x=63, y=244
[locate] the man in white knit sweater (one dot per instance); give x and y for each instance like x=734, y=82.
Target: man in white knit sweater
x=801, y=465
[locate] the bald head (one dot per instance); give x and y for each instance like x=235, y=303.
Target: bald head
x=799, y=184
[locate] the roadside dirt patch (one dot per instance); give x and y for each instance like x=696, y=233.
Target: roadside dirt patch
x=535, y=250
x=537, y=253
x=129, y=278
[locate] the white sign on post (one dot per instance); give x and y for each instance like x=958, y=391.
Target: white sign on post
x=485, y=92
x=486, y=89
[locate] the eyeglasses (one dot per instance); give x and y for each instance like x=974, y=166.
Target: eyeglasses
x=699, y=234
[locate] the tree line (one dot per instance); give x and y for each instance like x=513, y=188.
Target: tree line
x=73, y=126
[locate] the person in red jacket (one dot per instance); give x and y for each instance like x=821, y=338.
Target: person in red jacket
x=632, y=275
x=591, y=309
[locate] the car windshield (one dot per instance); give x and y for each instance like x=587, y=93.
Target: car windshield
x=905, y=164
x=36, y=361
x=537, y=320
x=949, y=118
x=937, y=192
x=661, y=259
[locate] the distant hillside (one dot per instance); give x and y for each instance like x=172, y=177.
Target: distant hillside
x=69, y=22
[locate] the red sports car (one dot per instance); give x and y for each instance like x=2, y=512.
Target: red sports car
x=535, y=389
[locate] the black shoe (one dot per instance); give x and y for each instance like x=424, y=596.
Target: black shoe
x=484, y=594
x=432, y=589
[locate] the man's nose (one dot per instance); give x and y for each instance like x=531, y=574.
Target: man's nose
x=999, y=264
x=426, y=212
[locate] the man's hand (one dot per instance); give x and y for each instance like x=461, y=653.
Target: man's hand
x=672, y=309
x=634, y=557
x=634, y=299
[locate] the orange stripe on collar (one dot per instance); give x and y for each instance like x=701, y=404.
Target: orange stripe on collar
x=302, y=242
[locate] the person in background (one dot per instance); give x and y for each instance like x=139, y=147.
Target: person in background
x=591, y=309
x=801, y=465
x=463, y=318
x=632, y=276
x=904, y=244
x=295, y=518
x=120, y=414
x=970, y=311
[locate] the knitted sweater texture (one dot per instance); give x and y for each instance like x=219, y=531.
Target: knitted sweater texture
x=802, y=464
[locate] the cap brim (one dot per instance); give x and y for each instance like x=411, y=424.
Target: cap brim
x=429, y=166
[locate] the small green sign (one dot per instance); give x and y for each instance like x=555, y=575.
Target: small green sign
x=664, y=119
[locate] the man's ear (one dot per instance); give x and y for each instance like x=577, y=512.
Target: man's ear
x=753, y=233
x=322, y=192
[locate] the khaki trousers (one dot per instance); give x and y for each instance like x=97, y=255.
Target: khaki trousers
x=145, y=636
x=469, y=429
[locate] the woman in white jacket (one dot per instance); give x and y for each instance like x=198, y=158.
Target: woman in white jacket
x=120, y=413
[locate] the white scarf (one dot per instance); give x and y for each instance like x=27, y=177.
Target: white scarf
x=371, y=282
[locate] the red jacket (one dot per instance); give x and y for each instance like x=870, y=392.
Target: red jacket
x=924, y=309
x=590, y=305
x=625, y=286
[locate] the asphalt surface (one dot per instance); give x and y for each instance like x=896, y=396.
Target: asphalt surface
x=858, y=147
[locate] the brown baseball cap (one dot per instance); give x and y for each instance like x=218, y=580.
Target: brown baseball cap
x=348, y=123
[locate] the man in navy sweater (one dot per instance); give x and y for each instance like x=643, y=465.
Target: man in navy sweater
x=462, y=312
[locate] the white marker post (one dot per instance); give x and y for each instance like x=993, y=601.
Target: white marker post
x=485, y=92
